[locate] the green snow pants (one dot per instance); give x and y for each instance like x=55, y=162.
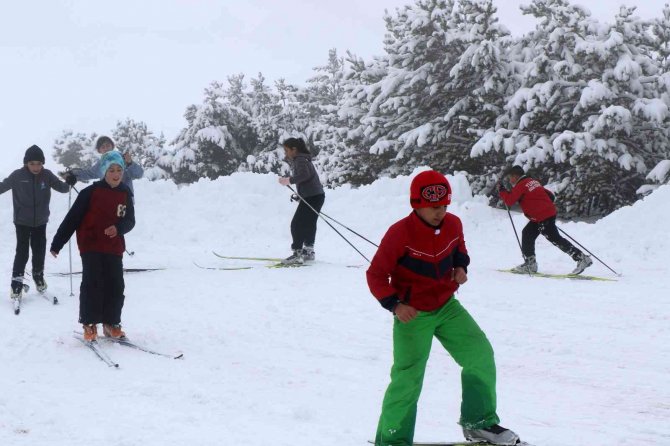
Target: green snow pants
x=466, y=343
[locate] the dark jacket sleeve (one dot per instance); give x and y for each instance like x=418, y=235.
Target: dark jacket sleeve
x=72, y=220
x=461, y=258
x=301, y=170
x=552, y=197
x=7, y=184
x=56, y=184
x=127, y=222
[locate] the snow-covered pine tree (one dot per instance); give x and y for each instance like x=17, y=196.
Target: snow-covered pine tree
x=146, y=148
x=211, y=143
x=322, y=99
x=347, y=158
x=588, y=114
x=660, y=28
x=444, y=76
x=276, y=115
x=75, y=149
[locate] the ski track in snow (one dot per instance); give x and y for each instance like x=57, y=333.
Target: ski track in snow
x=302, y=356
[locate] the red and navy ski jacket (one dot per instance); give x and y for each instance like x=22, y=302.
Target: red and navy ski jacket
x=98, y=207
x=536, y=202
x=415, y=261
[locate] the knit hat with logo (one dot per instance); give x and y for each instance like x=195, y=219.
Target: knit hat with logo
x=109, y=158
x=34, y=153
x=429, y=189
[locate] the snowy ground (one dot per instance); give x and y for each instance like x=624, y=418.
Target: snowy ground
x=301, y=357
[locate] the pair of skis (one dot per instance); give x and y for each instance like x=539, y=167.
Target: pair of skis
x=16, y=302
x=125, y=270
x=559, y=276
x=275, y=262
x=95, y=347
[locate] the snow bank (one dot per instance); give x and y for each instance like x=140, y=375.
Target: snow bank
x=301, y=357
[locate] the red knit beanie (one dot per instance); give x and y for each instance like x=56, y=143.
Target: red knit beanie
x=429, y=189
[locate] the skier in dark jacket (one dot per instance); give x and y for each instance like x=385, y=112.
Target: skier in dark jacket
x=102, y=214
x=310, y=194
x=31, y=193
x=537, y=203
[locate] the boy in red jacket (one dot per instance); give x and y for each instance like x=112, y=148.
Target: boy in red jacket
x=101, y=215
x=537, y=203
x=420, y=263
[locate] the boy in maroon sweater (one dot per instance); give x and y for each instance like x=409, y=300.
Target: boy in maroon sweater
x=537, y=203
x=101, y=215
x=420, y=263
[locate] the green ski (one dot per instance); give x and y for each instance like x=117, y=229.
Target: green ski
x=259, y=259
x=560, y=276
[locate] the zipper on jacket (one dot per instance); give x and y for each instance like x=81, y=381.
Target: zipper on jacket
x=34, y=202
x=436, y=262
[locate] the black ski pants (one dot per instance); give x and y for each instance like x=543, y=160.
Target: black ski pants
x=101, y=293
x=28, y=237
x=303, y=225
x=548, y=229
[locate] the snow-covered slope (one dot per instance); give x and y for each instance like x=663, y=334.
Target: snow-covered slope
x=301, y=356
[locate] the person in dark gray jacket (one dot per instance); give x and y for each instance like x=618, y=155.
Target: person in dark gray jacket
x=31, y=192
x=103, y=145
x=311, y=197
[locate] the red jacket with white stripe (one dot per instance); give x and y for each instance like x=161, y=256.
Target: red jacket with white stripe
x=415, y=261
x=536, y=201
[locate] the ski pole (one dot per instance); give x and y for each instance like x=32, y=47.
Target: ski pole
x=585, y=249
x=327, y=222
x=349, y=229
x=69, y=243
x=514, y=228
x=345, y=226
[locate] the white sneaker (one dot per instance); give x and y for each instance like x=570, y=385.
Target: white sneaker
x=583, y=263
x=308, y=253
x=529, y=266
x=294, y=259
x=495, y=434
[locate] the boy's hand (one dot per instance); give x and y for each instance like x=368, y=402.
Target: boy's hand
x=284, y=181
x=54, y=253
x=405, y=313
x=111, y=232
x=127, y=158
x=459, y=275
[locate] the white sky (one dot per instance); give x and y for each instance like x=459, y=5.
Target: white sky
x=84, y=64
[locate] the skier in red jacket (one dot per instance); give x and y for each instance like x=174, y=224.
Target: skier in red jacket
x=537, y=203
x=420, y=263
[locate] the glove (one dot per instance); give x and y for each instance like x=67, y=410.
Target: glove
x=294, y=197
x=500, y=187
x=70, y=179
